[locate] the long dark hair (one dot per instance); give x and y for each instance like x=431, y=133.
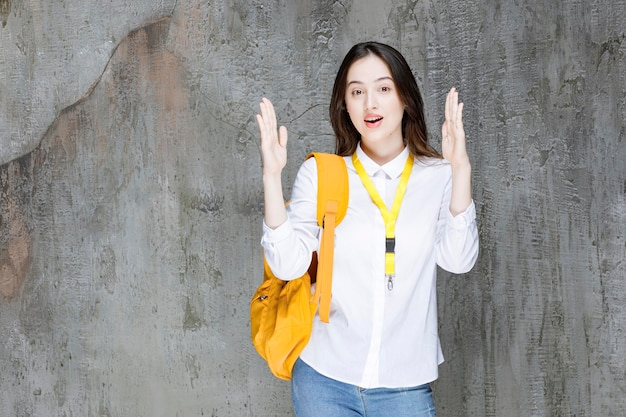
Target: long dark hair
x=413, y=122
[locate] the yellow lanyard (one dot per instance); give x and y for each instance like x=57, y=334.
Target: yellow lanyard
x=389, y=217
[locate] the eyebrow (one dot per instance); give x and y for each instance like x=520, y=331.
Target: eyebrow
x=378, y=80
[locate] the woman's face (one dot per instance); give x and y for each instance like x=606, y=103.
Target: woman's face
x=374, y=105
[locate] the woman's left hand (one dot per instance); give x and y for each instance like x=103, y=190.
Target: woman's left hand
x=452, y=133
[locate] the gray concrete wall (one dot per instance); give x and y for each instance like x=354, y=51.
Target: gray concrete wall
x=131, y=202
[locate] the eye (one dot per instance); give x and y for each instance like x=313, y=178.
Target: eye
x=357, y=92
x=385, y=89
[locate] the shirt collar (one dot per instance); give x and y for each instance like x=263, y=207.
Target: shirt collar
x=393, y=169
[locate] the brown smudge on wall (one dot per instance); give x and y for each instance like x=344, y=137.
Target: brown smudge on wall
x=142, y=54
x=16, y=241
x=157, y=75
x=5, y=9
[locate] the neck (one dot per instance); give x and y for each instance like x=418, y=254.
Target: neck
x=382, y=154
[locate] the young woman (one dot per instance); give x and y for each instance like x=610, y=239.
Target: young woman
x=380, y=350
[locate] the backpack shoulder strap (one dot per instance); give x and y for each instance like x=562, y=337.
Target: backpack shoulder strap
x=332, y=205
x=332, y=184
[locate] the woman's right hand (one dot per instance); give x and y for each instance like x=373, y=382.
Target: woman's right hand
x=273, y=140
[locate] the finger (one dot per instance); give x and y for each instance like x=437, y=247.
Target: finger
x=259, y=122
x=261, y=117
x=282, y=136
x=446, y=108
x=269, y=120
x=262, y=122
x=265, y=113
x=267, y=136
x=454, y=104
x=460, y=115
x=271, y=114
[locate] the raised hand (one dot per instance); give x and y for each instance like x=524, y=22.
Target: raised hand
x=454, y=151
x=452, y=132
x=274, y=155
x=273, y=140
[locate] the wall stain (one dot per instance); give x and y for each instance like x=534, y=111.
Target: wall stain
x=5, y=9
x=612, y=46
x=207, y=202
x=107, y=268
x=192, y=364
x=192, y=321
x=16, y=240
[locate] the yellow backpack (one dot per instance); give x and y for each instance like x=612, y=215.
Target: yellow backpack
x=282, y=312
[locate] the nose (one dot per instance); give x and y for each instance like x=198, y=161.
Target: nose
x=371, y=102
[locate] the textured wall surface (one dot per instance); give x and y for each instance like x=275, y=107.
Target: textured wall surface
x=130, y=200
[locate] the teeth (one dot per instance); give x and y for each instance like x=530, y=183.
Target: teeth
x=373, y=120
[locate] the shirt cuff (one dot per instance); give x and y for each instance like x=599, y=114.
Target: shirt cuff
x=464, y=219
x=271, y=236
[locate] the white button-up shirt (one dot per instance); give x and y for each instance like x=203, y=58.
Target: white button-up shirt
x=378, y=337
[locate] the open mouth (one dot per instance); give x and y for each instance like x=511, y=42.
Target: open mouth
x=373, y=121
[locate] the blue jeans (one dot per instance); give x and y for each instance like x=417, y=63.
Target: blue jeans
x=315, y=395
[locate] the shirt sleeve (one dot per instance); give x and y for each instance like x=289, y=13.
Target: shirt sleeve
x=288, y=248
x=457, y=237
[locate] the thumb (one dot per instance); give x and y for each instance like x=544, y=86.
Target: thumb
x=282, y=136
